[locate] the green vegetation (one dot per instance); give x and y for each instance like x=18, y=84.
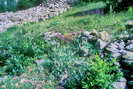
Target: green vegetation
x=21, y=46
x=112, y=5
x=28, y=3
x=100, y=74
x=14, y=5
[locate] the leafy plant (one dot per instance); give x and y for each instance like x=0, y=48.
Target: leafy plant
x=101, y=74
x=17, y=64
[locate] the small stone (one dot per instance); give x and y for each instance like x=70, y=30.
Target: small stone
x=116, y=55
x=120, y=84
x=130, y=47
x=42, y=61
x=128, y=55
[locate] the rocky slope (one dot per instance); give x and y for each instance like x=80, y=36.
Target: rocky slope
x=34, y=14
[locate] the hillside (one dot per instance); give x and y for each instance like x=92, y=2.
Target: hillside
x=78, y=49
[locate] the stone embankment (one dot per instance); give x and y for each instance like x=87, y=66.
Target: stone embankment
x=35, y=14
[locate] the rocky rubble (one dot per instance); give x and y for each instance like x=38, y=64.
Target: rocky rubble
x=34, y=14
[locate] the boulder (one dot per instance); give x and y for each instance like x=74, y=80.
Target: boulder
x=105, y=36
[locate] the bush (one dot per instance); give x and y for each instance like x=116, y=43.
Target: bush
x=17, y=64
x=64, y=62
x=101, y=74
x=18, y=52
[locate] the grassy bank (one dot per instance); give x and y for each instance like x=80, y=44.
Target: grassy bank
x=21, y=45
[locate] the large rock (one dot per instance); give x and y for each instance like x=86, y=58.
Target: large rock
x=105, y=36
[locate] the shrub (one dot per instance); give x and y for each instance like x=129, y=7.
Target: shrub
x=101, y=74
x=17, y=64
x=18, y=52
